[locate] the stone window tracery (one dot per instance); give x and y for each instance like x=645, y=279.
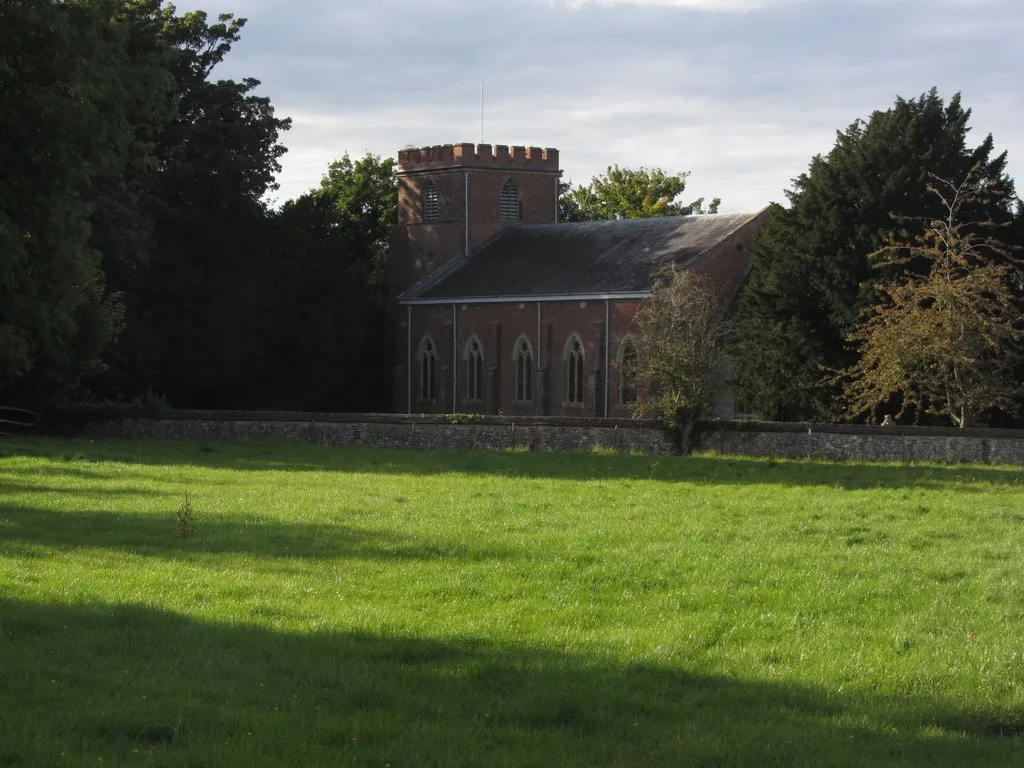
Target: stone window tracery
x=474, y=357
x=574, y=370
x=428, y=365
x=523, y=363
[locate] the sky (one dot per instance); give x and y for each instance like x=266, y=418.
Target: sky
x=740, y=93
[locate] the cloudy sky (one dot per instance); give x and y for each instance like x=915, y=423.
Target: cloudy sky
x=742, y=93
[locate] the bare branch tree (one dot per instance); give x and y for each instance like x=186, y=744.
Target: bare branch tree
x=946, y=341
x=681, y=341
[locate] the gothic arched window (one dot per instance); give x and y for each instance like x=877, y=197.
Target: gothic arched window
x=430, y=201
x=474, y=357
x=574, y=370
x=510, y=203
x=523, y=363
x=428, y=364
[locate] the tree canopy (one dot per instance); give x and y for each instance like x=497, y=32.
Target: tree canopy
x=626, y=193
x=811, y=274
x=325, y=282
x=190, y=288
x=138, y=255
x=682, y=337
x=945, y=341
x=64, y=127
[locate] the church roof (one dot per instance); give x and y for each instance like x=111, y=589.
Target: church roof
x=572, y=259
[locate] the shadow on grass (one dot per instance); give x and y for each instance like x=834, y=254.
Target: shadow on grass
x=25, y=530
x=78, y=490
x=124, y=684
x=719, y=470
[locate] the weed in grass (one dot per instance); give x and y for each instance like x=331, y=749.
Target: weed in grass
x=185, y=524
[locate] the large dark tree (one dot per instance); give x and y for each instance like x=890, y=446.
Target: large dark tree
x=65, y=127
x=811, y=276
x=131, y=200
x=192, y=296
x=321, y=341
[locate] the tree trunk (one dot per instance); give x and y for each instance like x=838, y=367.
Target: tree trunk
x=682, y=432
x=686, y=437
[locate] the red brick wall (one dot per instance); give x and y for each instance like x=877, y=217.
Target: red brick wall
x=418, y=247
x=726, y=264
x=498, y=327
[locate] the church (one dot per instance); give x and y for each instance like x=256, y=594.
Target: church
x=504, y=310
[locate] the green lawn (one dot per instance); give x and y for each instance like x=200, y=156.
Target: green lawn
x=384, y=608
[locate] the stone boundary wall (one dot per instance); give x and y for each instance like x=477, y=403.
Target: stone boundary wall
x=475, y=432
x=458, y=432
x=865, y=443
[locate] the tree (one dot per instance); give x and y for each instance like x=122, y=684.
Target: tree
x=120, y=199
x=810, y=273
x=682, y=338
x=945, y=342
x=63, y=127
x=362, y=197
x=131, y=201
x=625, y=193
x=323, y=291
x=193, y=299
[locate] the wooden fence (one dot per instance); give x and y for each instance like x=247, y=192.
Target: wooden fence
x=16, y=421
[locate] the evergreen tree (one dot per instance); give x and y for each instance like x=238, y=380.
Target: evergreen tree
x=811, y=276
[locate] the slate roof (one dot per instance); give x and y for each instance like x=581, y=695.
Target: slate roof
x=593, y=257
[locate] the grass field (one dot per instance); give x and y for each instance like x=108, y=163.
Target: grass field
x=381, y=608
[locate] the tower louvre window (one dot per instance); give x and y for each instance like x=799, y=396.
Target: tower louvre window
x=430, y=202
x=510, y=202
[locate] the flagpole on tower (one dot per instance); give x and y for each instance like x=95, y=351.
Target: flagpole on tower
x=481, y=111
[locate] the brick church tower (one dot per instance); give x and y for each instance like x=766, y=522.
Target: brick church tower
x=453, y=197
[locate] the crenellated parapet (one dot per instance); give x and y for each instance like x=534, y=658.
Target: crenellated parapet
x=453, y=197
x=479, y=155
